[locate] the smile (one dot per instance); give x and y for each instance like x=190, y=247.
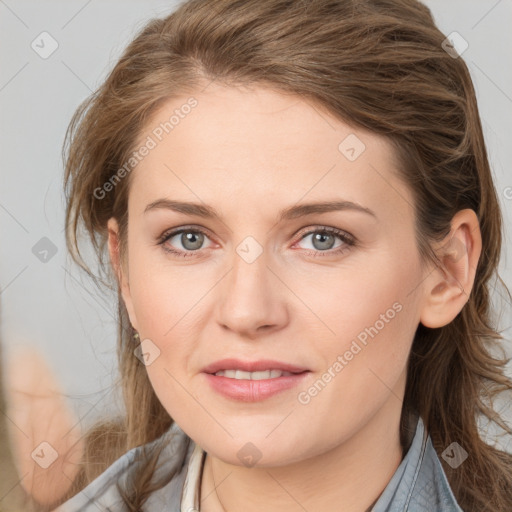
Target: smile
x=257, y=386
x=243, y=375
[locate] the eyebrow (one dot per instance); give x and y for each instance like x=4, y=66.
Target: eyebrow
x=294, y=212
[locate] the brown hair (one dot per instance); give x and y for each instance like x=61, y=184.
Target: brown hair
x=375, y=64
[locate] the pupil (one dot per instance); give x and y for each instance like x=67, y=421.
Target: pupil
x=189, y=237
x=320, y=237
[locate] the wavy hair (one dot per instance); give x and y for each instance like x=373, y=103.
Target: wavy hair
x=375, y=64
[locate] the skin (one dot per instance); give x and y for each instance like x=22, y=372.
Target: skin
x=37, y=413
x=250, y=153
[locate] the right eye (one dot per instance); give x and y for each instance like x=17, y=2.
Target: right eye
x=190, y=239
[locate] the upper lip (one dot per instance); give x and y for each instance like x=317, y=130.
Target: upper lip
x=252, y=366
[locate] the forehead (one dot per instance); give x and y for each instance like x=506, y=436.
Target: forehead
x=264, y=148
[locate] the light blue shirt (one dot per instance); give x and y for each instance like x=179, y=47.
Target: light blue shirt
x=418, y=485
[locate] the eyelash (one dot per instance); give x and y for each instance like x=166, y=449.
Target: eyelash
x=348, y=241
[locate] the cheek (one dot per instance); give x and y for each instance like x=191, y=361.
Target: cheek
x=362, y=373
x=162, y=293
x=172, y=385
x=372, y=317
x=366, y=301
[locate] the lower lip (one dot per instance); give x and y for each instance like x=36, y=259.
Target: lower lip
x=253, y=390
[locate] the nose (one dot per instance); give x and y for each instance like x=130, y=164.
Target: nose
x=252, y=298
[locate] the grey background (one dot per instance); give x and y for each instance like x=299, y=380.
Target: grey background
x=51, y=305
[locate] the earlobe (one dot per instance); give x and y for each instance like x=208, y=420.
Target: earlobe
x=117, y=267
x=448, y=286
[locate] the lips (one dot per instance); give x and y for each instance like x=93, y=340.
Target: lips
x=252, y=381
x=252, y=366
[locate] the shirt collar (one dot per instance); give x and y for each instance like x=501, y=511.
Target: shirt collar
x=192, y=485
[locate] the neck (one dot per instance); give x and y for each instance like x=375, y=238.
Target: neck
x=349, y=478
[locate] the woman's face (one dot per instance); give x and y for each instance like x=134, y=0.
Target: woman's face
x=256, y=284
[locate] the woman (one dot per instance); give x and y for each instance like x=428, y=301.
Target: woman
x=302, y=225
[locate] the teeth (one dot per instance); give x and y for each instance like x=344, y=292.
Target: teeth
x=241, y=375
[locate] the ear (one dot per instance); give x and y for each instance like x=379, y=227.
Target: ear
x=448, y=286
x=119, y=269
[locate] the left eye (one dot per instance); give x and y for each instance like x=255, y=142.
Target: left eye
x=323, y=240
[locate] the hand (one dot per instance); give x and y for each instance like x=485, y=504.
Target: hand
x=45, y=436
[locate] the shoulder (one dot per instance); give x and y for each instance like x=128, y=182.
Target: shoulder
x=103, y=492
